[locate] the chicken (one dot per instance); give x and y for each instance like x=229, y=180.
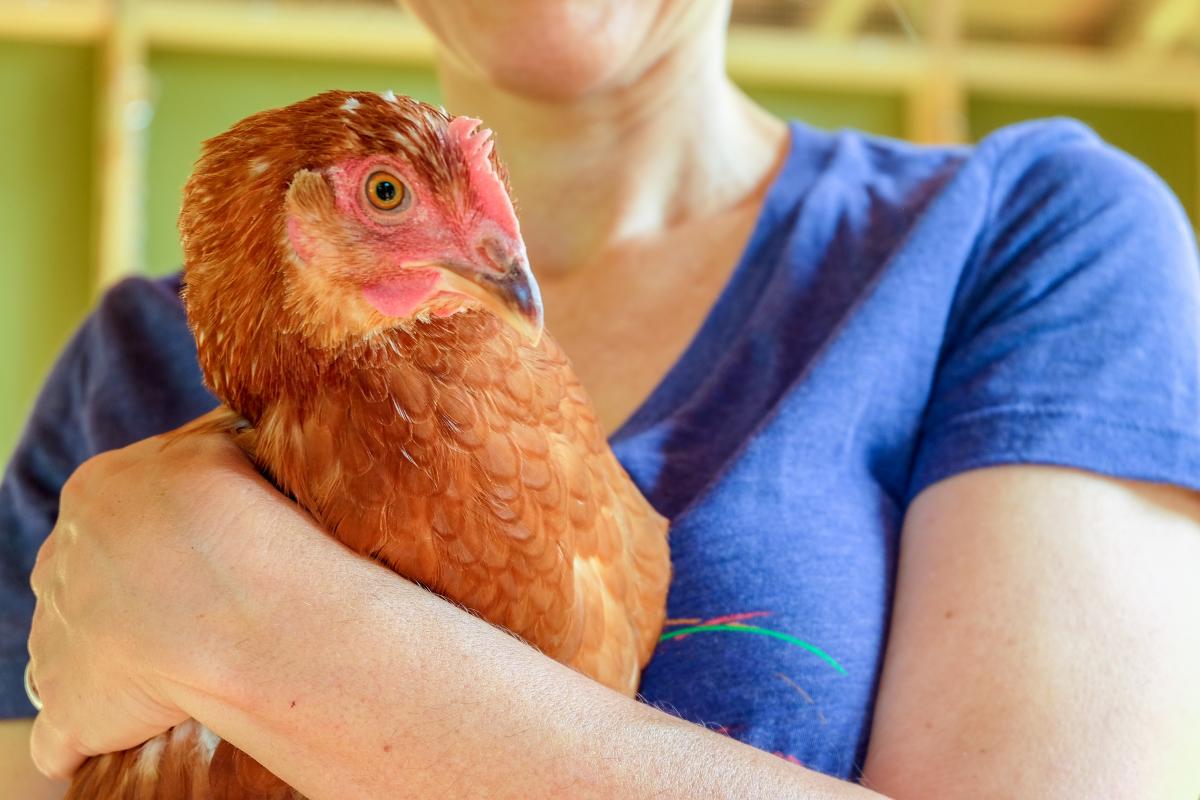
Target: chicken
x=362, y=303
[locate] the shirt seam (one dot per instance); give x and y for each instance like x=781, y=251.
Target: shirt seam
x=1042, y=411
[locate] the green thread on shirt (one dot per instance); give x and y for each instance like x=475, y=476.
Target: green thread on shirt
x=812, y=648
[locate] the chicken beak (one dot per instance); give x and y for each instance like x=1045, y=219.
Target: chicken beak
x=510, y=293
x=520, y=300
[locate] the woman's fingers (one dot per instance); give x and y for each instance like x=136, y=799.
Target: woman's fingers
x=133, y=590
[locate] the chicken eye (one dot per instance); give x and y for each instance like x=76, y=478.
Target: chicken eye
x=387, y=192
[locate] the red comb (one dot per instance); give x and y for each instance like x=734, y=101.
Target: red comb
x=476, y=142
x=476, y=145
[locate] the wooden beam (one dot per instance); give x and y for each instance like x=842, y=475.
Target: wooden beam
x=344, y=32
x=936, y=111
x=937, y=106
x=1082, y=74
x=840, y=19
x=780, y=58
x=55, y=21
x=772, y=57
x=1156, y=25
x=123, y=114
x=757, y=55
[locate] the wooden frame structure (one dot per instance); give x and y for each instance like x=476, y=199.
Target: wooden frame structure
x=935, y=75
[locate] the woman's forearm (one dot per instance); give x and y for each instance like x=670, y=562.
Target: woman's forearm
x=355, y=683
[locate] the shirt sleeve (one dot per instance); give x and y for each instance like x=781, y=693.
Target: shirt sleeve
x=1074, y=339
x=50, y=449
x=129, y=372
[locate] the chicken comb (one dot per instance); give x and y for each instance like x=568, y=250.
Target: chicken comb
x=476, y=144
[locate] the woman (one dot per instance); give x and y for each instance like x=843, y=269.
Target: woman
x=948, y=396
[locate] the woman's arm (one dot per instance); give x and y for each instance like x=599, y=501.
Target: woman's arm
x=1045, y=641
x=196, y=587
x=395, y=692
x=1043, y=645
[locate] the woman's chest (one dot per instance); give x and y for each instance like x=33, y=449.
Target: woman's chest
x=780, y=451
x=777, y=614
x=626, y=321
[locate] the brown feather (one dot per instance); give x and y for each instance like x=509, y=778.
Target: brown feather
x=450, y=450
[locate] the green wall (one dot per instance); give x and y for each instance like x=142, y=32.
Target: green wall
x=877, y=113
x=47, y=171
x=46, y=215
x=1164, y=138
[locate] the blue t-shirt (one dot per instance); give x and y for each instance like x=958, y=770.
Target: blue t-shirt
x=901, y=314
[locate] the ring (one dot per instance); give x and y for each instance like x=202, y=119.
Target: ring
x=29, y=690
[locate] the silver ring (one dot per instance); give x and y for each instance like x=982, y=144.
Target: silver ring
x=29, y=690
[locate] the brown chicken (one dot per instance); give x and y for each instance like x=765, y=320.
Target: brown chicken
x=361, y=300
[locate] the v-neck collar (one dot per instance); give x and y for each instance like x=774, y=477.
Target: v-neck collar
x=802, y=164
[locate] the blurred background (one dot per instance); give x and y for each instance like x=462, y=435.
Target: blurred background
x=103, y=105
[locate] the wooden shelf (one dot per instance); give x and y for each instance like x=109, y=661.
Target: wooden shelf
x=55, y=21
x=348, y=32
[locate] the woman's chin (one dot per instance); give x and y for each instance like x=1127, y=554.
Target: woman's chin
x=551, y=79
x=554, y=50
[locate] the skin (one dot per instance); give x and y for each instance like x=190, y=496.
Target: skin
x=623, y=151
x=998, y=681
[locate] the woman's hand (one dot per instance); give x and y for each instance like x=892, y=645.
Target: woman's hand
x=136, y=587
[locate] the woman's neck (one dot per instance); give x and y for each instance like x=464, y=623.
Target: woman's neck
x=677, y=143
